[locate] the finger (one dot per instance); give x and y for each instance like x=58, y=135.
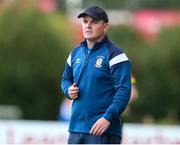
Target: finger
x=92, y=129
x=95, y=130
x=73, y=87
x=74, y=91
x=75, y=95
x=102, y=131
x=73, y=98
x=98, y=132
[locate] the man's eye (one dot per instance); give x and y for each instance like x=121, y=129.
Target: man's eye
x=85, y=21
x=95, y=22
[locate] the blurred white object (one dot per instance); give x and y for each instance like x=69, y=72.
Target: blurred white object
x=10, y=112
x=51, y=132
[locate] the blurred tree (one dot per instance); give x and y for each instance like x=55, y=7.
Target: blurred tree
x=160, y=78
x=61, y=5
x=33, y=48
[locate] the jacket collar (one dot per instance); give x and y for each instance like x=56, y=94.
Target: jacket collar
x=97, y=45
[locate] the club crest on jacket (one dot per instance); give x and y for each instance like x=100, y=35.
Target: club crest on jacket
x=99, y=61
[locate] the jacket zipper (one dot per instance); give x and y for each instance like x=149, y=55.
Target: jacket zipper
x=84, y=65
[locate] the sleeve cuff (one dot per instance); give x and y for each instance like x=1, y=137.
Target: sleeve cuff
x=67, y=94
x=108, y=117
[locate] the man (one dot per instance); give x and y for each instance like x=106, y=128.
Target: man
x=97, y=78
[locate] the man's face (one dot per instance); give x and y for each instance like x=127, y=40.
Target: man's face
x=94, y=30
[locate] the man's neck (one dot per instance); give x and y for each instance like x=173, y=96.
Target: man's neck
x=90, y=43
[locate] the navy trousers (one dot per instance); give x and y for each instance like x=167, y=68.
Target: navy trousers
x=82, y=138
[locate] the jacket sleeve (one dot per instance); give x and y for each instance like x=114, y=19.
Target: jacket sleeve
x=67, y=77
x=121, y=74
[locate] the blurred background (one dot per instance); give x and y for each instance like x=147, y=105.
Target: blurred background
x=36, y=37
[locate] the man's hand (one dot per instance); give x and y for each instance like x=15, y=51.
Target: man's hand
x=73, y=91
x=100, y=126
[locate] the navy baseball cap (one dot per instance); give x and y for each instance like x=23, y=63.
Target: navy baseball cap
x=96, y=13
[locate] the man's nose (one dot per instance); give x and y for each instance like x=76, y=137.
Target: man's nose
x=88, y=24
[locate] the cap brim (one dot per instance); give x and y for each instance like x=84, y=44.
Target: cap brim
x=82, y=15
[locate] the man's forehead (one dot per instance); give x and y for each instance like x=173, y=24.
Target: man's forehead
x=89, y=18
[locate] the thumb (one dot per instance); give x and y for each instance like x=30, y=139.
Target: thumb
x=74, y=85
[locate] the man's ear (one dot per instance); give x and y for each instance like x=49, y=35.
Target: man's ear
x=106, y=27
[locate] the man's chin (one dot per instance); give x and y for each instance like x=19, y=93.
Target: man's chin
x=90, y=39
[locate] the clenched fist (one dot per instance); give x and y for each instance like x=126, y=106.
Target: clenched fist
x=73, y=91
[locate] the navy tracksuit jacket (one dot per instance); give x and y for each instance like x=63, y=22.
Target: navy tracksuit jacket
x=104, y=80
